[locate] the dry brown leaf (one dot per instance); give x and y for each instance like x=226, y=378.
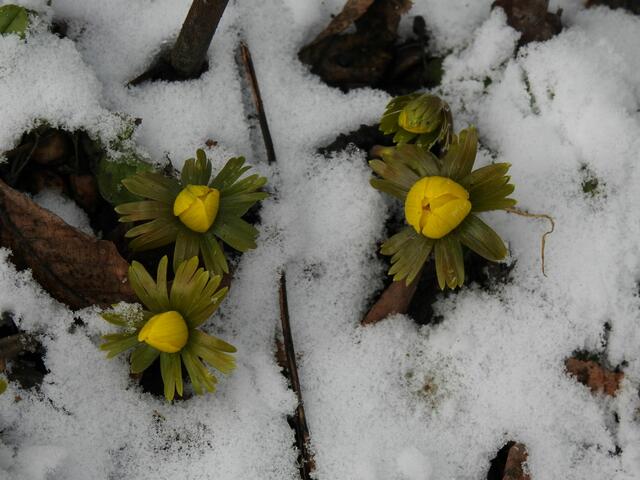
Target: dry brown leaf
x=75, y=268
x=531, y=18
x=594, y=375
x=514, y=467
x=351, y=11
x=362, y=58
x=396, y=298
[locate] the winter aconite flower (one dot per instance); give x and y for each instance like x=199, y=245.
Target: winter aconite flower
x=195, y=213
x=197, y=206
x=167, y=327
x=423, y=119
x=436, y=205
x=441, y=198
x=167, y=332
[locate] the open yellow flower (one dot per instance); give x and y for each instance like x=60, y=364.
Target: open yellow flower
x=167, y=327
x=197, y=206
x=197, y=213
x=442, y=197
x=166, y=332
x=436, y=205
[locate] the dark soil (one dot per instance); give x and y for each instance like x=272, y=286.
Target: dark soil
x=27, y=368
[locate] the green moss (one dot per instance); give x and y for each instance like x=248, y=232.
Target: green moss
x=591, y=185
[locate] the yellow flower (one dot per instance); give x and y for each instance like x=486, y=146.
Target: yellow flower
x=166, y=332
x=436, y=205
x=197, y=207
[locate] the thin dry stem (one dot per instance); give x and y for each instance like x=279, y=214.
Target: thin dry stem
x=524, y=213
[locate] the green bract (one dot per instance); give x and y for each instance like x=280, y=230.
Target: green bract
x=3, y=386
x=14, y=19
x=122, y=160
x=161, y=227
x=194, y=294
x=401, y=167
x=423, y=119
x=110, y=174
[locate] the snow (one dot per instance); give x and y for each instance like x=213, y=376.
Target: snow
x=65, y=208
x=395, y=401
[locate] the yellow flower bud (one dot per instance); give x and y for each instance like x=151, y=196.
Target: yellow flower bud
x=197, y=207
x=166, y=332
x=436, y=205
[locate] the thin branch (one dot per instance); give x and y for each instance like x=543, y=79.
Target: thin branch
x=300, y=420
x=190, y=50
x=257, y=101
x=524, y=213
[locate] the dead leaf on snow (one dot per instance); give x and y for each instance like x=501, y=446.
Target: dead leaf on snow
x=531, y=18
x=598, y=378
x=75, y=268
x=351, y=11
x=362, y=58
x=396, y=298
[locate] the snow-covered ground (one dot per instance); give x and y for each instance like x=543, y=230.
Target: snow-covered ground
x=494, y=364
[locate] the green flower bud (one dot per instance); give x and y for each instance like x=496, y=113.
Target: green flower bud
x=423, y=119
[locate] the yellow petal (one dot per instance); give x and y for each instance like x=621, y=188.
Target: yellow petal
x=198, y=190
x=436, y=205
x=413, y=206
x=183, y=201
x=444, y=186
x=212, y=204
x=197, y=207
x=195, y=217
x=446, y=217
x=166, y=332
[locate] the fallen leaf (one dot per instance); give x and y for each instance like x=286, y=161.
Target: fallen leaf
x=598, y=378
x=531, y=18
x=75, y=268
x=509, y=463
x=38, y=180
x=51, y=148
x=396, y=298
x=362, y=58
x=85, y=191
x=351, y=11
x=516, y=459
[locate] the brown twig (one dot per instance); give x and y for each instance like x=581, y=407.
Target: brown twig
x=524, y=213
x=257, y=101
x=187, y=58
x=300, y=421
x=287, y=350
x=190, y=50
